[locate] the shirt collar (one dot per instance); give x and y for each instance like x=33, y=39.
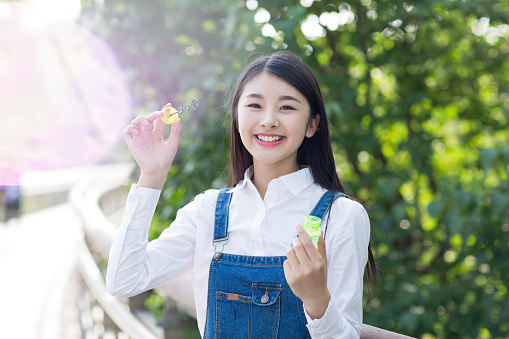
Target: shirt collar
x=295, y=182
x=247, y=177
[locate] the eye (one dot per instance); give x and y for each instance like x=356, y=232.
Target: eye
x=286, y=108
x=254, y=106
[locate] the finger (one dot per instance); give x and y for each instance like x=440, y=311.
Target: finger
x=134, y=130
x=154, y=116
x=141, y=122
x=287, y=266
x=127, y=133
x=155, y=119
x=292, y=258
x=288, y=270
x=173, y=139
x=306, y=242
x=300, y=251
x=321, y=247
x=159, y=123
x=166, y=106
x=135, y=126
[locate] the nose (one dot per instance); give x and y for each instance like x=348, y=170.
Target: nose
x=269, y=119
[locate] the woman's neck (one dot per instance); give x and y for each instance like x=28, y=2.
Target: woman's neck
x=263, y=174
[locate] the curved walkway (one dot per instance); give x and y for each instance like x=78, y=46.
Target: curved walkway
x=39, y=281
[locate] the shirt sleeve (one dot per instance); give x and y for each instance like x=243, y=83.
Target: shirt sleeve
x=136, y=265
x=347, y=241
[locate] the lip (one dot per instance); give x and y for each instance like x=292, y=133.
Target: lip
x=268, y=143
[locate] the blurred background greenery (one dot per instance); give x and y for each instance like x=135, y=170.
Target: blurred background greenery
x=418, y=101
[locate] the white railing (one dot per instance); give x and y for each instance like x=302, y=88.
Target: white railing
x=99, y=233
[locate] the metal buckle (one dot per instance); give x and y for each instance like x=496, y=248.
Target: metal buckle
x=219, y=240
x=217, y=254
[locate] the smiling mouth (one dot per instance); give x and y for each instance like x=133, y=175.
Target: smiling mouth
x=266, y=138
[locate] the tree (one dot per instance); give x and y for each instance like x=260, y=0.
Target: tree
x=417, y=97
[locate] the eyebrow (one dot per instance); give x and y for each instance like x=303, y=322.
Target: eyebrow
x=281, y=98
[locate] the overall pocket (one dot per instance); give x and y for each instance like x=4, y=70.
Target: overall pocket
x=249, y=316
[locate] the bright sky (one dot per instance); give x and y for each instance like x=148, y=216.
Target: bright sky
x=49, y=10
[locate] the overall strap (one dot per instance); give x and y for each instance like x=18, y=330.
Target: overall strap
x=325, y=203
x=222, y=215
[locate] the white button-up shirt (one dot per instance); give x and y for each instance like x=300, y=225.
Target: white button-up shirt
x=257, y=228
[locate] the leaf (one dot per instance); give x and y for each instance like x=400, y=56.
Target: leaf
x=500, y=202
x=487, y=158
x=504, y=152
x=436, y=207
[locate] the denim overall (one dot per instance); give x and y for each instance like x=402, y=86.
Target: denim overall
x=248, y=296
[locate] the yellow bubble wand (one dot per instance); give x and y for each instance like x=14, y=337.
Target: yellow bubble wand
x=171, y=114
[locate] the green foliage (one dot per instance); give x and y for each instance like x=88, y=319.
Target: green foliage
x=155, y=304
x=417, y=97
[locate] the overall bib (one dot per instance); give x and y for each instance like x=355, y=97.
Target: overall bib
x=248, y=296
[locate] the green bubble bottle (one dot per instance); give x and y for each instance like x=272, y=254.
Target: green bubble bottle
x=312, y=227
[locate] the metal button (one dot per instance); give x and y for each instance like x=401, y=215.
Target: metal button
x=265, y=298
x=217, y=256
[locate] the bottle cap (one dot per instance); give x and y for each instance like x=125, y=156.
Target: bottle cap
x=312, y=227
x=312, y=223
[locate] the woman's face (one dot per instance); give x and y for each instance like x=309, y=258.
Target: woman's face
x=273, y=120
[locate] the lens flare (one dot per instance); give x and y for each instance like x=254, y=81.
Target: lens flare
x=65, y=100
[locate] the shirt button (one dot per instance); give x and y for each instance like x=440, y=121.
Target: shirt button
x=265, y=298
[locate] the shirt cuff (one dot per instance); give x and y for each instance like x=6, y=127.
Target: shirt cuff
x=144, y=191
x=330, y=325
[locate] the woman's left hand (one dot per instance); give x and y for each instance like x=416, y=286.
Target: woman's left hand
x=306, y=273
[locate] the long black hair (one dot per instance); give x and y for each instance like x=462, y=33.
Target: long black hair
x=314, y=152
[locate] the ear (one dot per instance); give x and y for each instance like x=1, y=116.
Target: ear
x=313, y=126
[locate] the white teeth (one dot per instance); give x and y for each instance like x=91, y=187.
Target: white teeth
x=269, y=139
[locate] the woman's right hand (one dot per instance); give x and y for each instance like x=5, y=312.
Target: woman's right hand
x=154, y=155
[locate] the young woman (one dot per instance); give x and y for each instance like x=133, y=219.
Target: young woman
x=256, y=272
